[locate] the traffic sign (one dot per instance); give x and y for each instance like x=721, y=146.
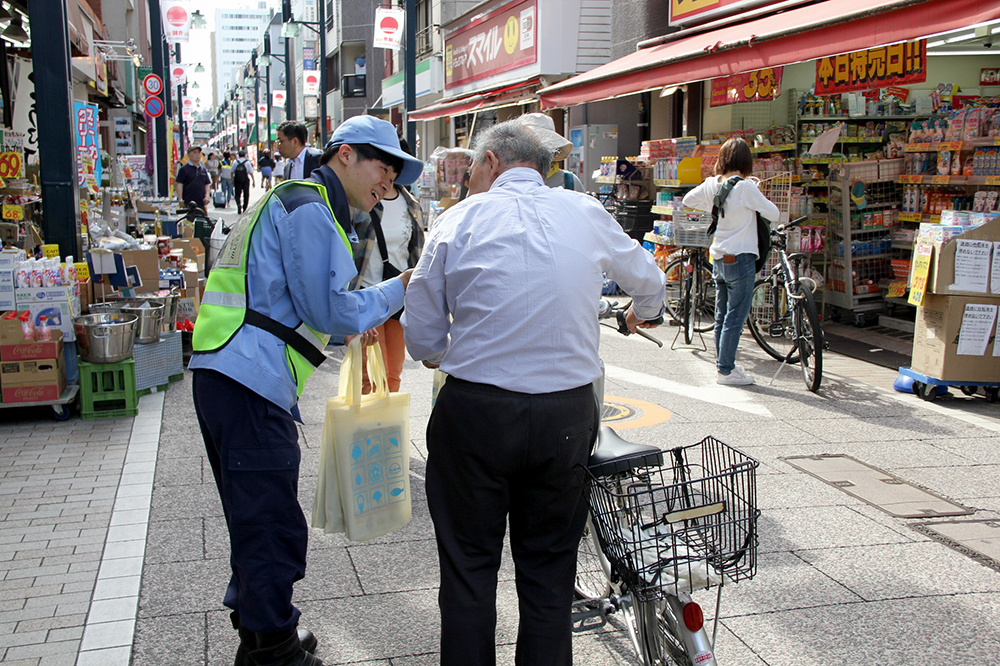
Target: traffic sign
x=153, y=85
x=154, y=106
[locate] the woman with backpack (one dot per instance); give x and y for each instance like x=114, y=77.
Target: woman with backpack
x=734, y=250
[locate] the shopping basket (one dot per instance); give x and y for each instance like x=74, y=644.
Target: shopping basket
x=682, y=526
x=691, y=229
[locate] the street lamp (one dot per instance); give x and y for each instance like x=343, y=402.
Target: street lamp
x=290, y=29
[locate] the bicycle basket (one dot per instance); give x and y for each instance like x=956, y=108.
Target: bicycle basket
x=691, y=229
x=682, y=526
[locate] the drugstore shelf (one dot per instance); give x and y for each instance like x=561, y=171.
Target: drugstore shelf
x=918, y=217
x=661, y=210
x=606, y=180
x=777, y=148
x=931, y=179
x=940, y=146
x=844, y=139
x=809, y=119
x=658, y=182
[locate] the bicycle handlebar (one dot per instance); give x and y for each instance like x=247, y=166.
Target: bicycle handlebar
x=608, y=310
x=794, y=223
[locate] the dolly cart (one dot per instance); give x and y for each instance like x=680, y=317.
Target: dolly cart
x=61, y=405
x=926, y=387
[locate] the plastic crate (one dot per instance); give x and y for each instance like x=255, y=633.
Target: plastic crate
x=691, y=229
x=107, y=390
x=157, y=362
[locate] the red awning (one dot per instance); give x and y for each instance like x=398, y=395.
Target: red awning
x=460, y=104
x=795, y=35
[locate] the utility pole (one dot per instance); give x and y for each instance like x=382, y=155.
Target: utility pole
x=160, y=123
x=286, y=17
x=267, y=82
x=410, y=73
x=322, y=72
x=256, y=95
x=180, y=100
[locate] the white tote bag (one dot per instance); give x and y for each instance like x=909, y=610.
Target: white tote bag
x=364, y=469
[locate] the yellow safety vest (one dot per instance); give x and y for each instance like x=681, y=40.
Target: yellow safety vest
x=224, y=310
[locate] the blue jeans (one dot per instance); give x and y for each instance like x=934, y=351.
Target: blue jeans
x=227, y=187
x=733, y=295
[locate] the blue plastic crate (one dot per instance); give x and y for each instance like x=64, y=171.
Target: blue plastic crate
x=157, y=362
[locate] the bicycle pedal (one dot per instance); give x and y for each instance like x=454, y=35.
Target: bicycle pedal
x=589, y=614
x=674, y=322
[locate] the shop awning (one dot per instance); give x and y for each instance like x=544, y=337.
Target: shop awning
x=795, y=35
x=460, y=104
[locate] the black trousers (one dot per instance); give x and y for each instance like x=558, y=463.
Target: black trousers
x=252, y=445
x=242, y=192
x=493, y=455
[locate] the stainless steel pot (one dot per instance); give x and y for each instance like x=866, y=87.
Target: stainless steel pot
x=105, y=338
x=169, y=302
x=150, y=316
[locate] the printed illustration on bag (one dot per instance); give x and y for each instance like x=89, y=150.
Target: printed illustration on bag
x=377, y=471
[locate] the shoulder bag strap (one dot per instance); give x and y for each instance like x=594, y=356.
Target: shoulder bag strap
x=719, y=200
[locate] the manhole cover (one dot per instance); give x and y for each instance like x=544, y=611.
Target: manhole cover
x=612, y=411
x=882, y=490
x=628, y=413
x=978, y=539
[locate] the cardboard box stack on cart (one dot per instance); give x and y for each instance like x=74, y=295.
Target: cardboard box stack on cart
x=955, y=335
x=30, y=370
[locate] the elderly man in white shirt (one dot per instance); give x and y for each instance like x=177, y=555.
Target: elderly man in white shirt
x=504, y=299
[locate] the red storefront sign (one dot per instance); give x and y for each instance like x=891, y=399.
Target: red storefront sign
x=885, y=66
x=501, y=41
x=688, y=12
x=761, y=85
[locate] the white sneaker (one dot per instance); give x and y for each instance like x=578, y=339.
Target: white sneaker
x=738, y=377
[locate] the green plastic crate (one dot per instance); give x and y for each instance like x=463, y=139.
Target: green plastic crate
x=107, y=390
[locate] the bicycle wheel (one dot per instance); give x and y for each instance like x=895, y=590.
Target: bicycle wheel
x=688, y=308
x=675, y=274
x=704, y=300
x=770, y=326
x=809, y=337
x=593, y=570
x=655, y=633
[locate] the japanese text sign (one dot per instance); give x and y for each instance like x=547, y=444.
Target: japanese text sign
x=501, y=41
x=388, y=28
x=176, y=21
x=88, y=156
x=881, y=67
x=689, y=12
x=11, y=165
x=922, y=255
x=758, y=86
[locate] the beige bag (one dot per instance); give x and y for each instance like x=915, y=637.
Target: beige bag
x=364, y=467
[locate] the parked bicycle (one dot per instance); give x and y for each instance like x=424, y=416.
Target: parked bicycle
x=690, y=296
x=662, y=525
x=783, y=316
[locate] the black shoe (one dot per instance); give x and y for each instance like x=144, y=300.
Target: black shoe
x=283, y=650
x=308, y=641
x=248, y=641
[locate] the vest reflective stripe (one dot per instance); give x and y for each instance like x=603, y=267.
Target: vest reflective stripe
x=224, y=299
x=224, y=306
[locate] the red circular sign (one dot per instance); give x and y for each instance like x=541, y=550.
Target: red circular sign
x=389, y=25
x=154, y=107
x=153, y=84
x=177, y=16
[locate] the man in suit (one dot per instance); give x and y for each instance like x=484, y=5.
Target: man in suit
x=300, y=160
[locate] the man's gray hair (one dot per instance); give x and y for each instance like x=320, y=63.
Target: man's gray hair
x=515, y=145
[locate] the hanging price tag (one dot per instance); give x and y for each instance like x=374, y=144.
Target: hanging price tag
x=940, y=180
x=908, y=178
x=82, y=271
x=13, y=212
x=921, y=269
x=11, y=165
x=993, y=180
x=897, y=289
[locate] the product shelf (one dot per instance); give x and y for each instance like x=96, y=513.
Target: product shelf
x=845, y=139
x=919, y=217
x=937, y=147
x=777, y=148
x=671, y=183
x=931, y=179
x=662, y=210
x=809, y=119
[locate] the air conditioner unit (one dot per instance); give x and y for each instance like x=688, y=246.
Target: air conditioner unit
x=352, y=85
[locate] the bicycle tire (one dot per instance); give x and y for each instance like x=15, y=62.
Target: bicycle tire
x=688, y=306
x=809, y=337
x=592, y=567
x=774, y=334
x=705, y=297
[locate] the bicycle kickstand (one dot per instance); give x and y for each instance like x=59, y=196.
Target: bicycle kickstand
x=784, y=362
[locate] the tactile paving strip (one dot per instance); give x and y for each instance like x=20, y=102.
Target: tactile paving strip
x=979, y=539
x=876, y=487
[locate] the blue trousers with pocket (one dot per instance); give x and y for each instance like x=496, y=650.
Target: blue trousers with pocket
x=733, y=297
x=252, y=445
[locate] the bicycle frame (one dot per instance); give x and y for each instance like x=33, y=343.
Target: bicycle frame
x=783, y=278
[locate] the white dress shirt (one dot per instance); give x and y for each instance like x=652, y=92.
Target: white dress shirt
x=519, y=269
x=296, y=166
x=737, y=230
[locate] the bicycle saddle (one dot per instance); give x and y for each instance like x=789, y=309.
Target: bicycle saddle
x=615, y=455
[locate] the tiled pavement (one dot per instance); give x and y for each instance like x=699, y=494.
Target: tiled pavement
x=89, y=507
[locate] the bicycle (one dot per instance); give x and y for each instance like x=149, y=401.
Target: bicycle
x=788, y=334
x=663, y=524
x=690, y=295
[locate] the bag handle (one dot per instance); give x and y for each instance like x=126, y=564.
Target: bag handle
x=350, y=373
x=377, y=374
x=719, y=200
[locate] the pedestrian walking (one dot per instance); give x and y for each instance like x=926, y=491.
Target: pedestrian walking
x=733, y=251
x=264, y=321
x=226, y=175
x=300, y=159
x=212, y=166
x=192, y=180
x=266, y=165
x=504, y=299
x=242, y=180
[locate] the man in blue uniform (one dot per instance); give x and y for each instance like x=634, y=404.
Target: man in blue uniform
x=277, y=292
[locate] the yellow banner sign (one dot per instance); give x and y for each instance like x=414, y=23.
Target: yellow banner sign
x=921, y=270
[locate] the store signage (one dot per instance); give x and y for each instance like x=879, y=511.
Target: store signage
x=178, y=74
x=989, y=77
x=152, y=84
x=25, y=110
x=251, y=116
x=176, y=21
x=310, y=83
x=13, y=212
x=154, y=107
x=262, y=110
x=762, y=85
x=11, y=165
x=123, y=135
x=901, y=93
x=895, y=65
x=88, y=152
x=101, y=73
x=690, y=12
x=278, y=98
x=243, y=123
x=921, y=269
x=389, y=28
x=501, y=41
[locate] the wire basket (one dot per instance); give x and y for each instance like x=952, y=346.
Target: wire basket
x=691, y=229
x=682, y=526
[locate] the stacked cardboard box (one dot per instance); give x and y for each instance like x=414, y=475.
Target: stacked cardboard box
x=30, y=370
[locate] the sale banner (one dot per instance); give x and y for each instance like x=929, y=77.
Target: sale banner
x=762, y=85
x=176, y=21
x=389, y=28
x=502, y=40
x=87, y=144
x=895, y=65
x=178, y=74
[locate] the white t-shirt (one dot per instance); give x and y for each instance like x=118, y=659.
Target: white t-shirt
x=397, y=230
x=737, y=230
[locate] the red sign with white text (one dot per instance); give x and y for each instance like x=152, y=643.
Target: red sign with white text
x=761, y=85
x=895, y=65
x=502, y=40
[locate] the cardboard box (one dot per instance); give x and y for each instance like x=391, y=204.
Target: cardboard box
x=942, y=274
x=59, y=315
x=37, y=392
x=19, y=349
x=9, y=257
x=7, y=299
x=31, y=373
x=26, y=295
x=148, y=263
x=193, y=250
x=935, y=341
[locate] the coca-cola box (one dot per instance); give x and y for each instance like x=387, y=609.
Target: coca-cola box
x=13, y=346
x=40, y=380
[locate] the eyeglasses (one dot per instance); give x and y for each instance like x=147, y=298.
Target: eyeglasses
x=279, y=141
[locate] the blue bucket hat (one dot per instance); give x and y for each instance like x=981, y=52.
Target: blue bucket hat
x=382, y=135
